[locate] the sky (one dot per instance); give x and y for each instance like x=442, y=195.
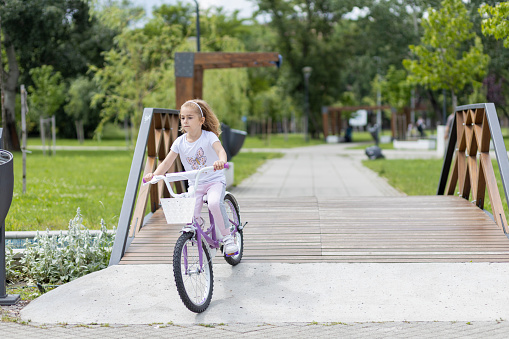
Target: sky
x=246, y=7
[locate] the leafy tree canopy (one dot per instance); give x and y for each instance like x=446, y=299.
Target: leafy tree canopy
x=496, y=21
x=47, y=93
x=443, y=59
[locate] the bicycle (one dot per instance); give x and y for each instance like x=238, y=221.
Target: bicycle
x=195, y=248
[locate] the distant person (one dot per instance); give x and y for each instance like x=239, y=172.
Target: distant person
x=420, y=126
x=409, y=130
x=348, y=134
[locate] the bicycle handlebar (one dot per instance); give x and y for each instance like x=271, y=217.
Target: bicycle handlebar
x=178, y=176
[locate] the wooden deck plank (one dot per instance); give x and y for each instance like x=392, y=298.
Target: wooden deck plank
x=360, y=229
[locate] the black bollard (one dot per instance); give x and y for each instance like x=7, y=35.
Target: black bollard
x=6, y=192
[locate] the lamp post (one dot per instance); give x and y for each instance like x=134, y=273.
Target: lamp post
x=307, y=73
x=197, y=26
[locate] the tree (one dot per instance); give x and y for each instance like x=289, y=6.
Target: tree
x=495, y=21
x=444, y=60
x=48, y=92
x=60, y=33
x=309, y=34
x=395, y=88
x=79, y=101
x=139, y=69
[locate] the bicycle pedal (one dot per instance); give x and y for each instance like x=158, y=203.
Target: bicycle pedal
x=231, y=254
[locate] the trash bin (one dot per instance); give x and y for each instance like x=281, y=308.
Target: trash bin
x=374, y=152
x=6, y=189
x=6, y=184
x=233, y=139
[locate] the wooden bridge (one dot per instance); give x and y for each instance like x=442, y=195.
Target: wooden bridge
x=372, y=229
x=454, y=227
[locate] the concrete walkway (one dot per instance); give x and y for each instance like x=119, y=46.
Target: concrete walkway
x=290, y=300
x=322, y=171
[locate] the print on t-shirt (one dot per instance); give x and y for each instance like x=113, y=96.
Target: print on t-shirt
x=199, y=160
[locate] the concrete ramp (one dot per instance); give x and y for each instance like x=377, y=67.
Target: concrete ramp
x=277, y=293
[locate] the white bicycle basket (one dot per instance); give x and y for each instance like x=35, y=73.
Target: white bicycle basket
x=178, y=211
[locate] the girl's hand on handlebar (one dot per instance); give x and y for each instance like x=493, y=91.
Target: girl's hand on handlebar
x=218, y=165
x=148, y=177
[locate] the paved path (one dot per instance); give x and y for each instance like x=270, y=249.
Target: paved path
x=321, y=171
x=285, y=300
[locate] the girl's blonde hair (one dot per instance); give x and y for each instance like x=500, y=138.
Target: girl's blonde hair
x=211, y=121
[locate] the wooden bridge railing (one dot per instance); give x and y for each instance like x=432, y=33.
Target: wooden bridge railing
x=158, y=129
x=468, y=150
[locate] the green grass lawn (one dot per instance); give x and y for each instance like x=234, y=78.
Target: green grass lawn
x=57, y=185
x=75, y=142
x=93, y=181
x=421, y=177
x=280, y=141
x=413, y=177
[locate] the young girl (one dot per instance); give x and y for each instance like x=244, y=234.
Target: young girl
x=200, y=147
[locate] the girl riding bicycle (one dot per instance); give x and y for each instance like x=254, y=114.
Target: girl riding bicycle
x=200, y=147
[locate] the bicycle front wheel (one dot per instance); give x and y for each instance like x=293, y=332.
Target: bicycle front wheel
x=194, y=283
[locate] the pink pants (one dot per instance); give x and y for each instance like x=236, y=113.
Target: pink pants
x=215, y=192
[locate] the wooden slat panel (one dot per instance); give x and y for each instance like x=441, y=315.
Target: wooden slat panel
x=356, y=229
x=222, y=59
x=493, y=193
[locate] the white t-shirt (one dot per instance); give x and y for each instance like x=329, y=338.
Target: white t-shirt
x=199, y=154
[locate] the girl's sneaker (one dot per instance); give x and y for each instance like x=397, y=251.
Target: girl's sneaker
x=230, y=247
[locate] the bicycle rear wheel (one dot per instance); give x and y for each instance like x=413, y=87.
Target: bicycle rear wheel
x=232, y=210
x=194, y=285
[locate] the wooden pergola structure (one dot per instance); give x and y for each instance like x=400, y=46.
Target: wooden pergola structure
x=331, y=117
x=189, y=68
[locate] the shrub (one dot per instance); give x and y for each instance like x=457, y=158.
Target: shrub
x=11, y=274
x=62, y=258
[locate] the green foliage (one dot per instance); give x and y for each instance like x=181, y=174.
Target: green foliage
x=61, y=33
x=138, y=73
x=273, y=103
x=395, y=89
x=60, y=259
x=442, y=60
x=79, y=98
x=116, y=14
x=495, y=21
x=11, y=274
x=308, y=35
x=48, y=92
x=181, y=15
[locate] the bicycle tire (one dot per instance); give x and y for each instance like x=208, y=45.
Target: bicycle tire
x=195, y=288
x=232, y=209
